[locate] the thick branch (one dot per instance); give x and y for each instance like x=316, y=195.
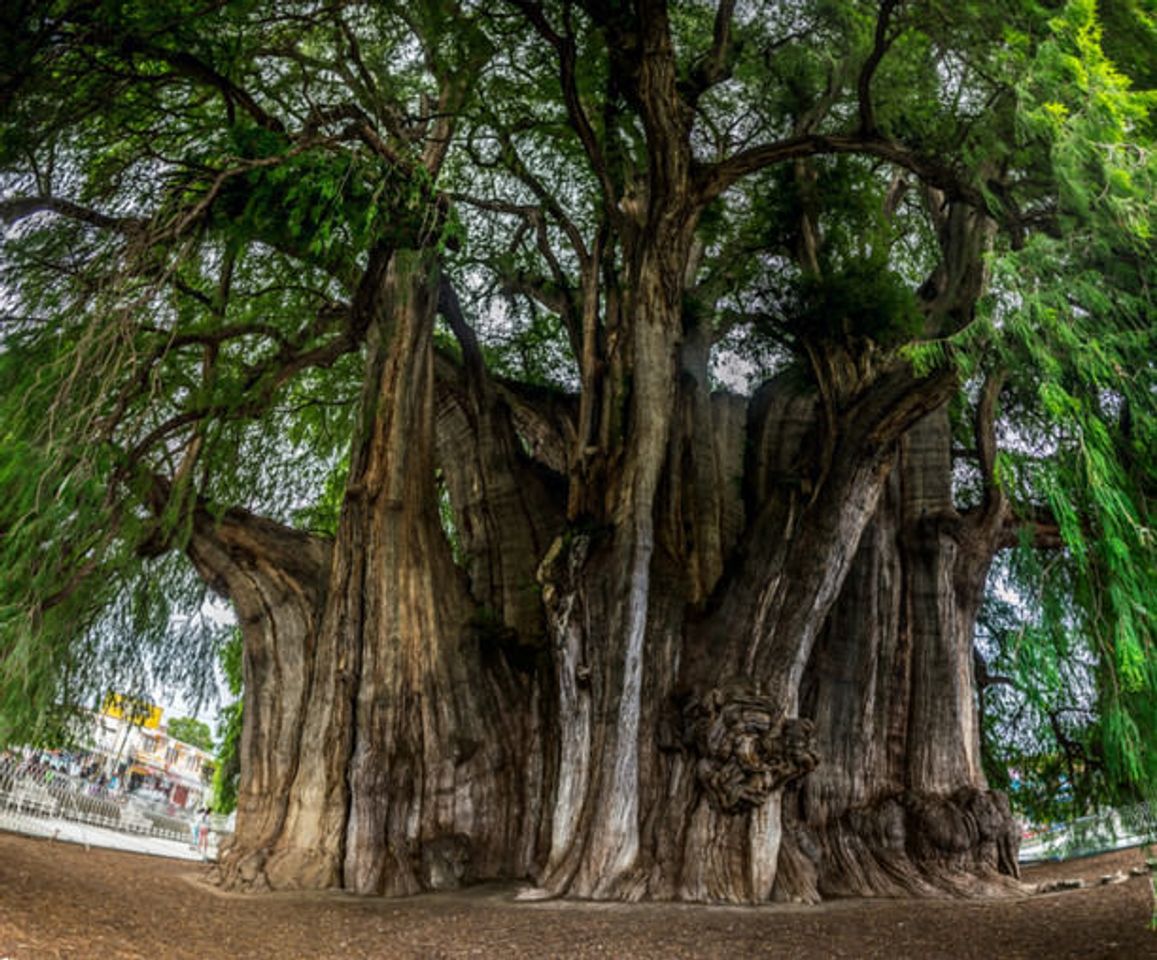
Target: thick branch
x=20, y=208
x=544, y=417
x=1043, y=532
x=716, y=65
x=539, y=289
x=894, y=403
x=360, y=127
x=712, y=179
x=880, y=47
x=242, y=535
x=451, y=308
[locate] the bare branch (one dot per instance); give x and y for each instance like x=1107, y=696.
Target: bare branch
x=524, y=210
x=545, y=197
x=557, y=297
x=20, y=208
x=566, y=49
x=185, y=63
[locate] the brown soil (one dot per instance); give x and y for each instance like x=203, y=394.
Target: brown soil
x=59, y=900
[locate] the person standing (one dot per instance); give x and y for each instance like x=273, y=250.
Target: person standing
x=203, y=833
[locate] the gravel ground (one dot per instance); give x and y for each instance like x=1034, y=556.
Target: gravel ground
x=60, y=900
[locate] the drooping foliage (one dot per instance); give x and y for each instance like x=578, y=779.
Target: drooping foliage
x=227, y=771
x=218, y=285
x=1080, y=345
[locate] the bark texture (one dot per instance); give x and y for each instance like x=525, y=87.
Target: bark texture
x=417, y=762
x=901, y=805
x=427, y=744
x=275, y=577
x=698, y=647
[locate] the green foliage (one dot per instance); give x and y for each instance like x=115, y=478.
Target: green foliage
x=227, y=773
x=323, y=514
x=1079, y=340
x=1129, y=37
x=868, y=262
x=323, y=206
x=192, y=731
x=536, y=352
x=111, y=338
x=861, y=299
x=1040, y=740
x=231, y=660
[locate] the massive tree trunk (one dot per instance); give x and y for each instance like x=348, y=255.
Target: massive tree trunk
x=715, y=735
x=416, y=748
x=421, y=756
x=900, y=805
x=642, y=725
x=275, y=577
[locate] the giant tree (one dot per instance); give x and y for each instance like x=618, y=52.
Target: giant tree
x=403, y=327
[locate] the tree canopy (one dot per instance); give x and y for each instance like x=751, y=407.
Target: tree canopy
x=192, y=731
x=908, y=204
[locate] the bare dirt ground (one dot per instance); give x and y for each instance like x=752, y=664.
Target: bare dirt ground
x=58, y=900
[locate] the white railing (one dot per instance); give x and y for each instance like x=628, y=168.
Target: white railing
x=1098, y=833
x=29, y=788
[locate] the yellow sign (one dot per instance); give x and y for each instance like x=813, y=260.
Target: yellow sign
x=137, y=712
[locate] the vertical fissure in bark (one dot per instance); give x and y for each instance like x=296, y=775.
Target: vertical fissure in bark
x=746, y=660
x=506, y=506
x=425, y=773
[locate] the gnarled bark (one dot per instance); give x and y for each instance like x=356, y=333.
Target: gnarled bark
x=506, y=505
x=902, y=806
x=275, y=578
x=433, y=760
x=415, y=744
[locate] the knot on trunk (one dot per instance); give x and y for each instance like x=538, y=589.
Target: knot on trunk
x=447, y=862
x=968, y=822
x=560, y=574
x=747, y=748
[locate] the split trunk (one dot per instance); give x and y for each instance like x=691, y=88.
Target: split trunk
x=749, y=680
